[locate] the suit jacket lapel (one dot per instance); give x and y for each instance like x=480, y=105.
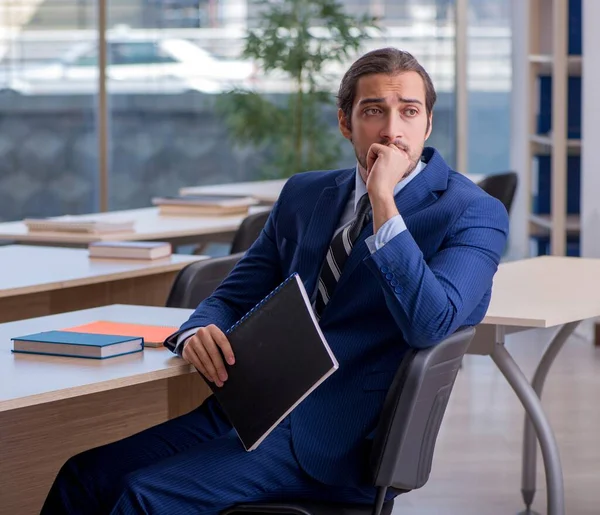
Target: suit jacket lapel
x=424, y=189
x=322, y=225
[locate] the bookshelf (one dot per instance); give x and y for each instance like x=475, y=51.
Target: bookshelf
x=552, y=91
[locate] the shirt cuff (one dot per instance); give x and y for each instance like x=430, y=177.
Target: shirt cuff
x=389, y=230
x=182, y=338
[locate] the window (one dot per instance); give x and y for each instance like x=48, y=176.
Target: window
x=163, y=130
x=489, y=82
x=48, y=138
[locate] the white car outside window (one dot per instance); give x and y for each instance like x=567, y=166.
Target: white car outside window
x=144, y=66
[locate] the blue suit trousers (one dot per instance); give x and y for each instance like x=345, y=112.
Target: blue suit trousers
x=194, y=464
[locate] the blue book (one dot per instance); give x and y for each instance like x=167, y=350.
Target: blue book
x=77, y=345
x=544, y=118
x=575, y=27
x=542, y=201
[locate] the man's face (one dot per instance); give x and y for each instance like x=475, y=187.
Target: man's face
x=388, y=109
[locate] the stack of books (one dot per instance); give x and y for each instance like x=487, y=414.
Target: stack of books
x=77, y=345
x=78, y=224
x=97, y=340
x=204, y=205
x=130, y=249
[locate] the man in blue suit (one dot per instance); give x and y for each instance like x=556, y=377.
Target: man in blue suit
x=398, y=252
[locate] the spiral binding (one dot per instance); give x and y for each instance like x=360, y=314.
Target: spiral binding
x=263, y=301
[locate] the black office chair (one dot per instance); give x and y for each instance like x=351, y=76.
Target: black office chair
x=248, y=231
x=501, y=186
x=408, y=427
x=198, y=280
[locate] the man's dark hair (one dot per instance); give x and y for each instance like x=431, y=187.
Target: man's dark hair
x=384, y=60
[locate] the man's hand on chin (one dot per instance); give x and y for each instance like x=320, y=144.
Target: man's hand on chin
x=387, y=165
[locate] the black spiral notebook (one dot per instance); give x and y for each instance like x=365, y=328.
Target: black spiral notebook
x=281, y=356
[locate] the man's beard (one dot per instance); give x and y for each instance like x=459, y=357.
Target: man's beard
x=414, y=161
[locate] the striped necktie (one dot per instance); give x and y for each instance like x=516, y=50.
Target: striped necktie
x=339, y=250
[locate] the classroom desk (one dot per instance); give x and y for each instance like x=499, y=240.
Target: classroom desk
x=149, y=225
x=541, y=292
x=264, y=191
x=53, y=407
x=37, y=281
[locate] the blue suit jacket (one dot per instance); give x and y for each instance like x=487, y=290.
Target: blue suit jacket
x=413, y=292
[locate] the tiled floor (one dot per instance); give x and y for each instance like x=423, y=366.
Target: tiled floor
x=477, y=465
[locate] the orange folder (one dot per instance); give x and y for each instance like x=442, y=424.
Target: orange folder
x=153, y=335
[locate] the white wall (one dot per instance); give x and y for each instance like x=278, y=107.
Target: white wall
x=590, y=154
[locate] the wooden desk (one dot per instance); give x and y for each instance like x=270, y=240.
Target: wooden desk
x=265, y=191
x=52, y=407
x=149, y=225
x=535, y=293
x=37, y=281
x=551, y=290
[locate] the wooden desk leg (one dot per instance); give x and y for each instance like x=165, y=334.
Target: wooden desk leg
x=597, y=334
x=186, y=393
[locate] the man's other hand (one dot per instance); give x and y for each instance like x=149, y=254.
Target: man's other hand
x=205, y=351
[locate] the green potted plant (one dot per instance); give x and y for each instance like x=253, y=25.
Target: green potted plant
x=297, y=41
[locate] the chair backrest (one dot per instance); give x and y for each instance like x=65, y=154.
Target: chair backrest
x=248, y=231
x=501, y=186
x=198, y=280
x=412, y=414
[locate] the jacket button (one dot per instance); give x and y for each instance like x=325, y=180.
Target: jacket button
x=389, y=276
x=398, y=290
x=393, y=282
x=384, y=269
